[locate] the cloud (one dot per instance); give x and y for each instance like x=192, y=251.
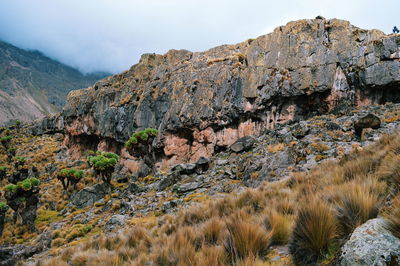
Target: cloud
x=107, y=35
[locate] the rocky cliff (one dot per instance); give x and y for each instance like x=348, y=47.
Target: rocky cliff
x=203, y=102
x=33, y=85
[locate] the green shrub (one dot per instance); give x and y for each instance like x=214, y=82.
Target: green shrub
x=20, y=159
x=3, y=168
x=25, y=185
x=11, y=188
x=34, y=181
x=6, y=139
x=3, y=205
x=103, y=164
x=142, y=136
x=72, y=173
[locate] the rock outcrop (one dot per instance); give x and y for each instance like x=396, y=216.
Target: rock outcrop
x=371, y=244
x=204, y=102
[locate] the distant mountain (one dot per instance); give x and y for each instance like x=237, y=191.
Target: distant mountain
x=33, y=85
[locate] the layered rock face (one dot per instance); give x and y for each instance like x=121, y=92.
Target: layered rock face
x=203, y=102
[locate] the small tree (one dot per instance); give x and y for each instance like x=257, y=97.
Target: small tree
x=21, y=171
x=18, y=125
x=19, y=161
x=5, y=141
x=3, y=210
x=140, y=145
x=23, y=199
x=103, y=165
x=70, y=176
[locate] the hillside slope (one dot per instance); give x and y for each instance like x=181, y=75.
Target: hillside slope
x=33, y=85
x=274, y=151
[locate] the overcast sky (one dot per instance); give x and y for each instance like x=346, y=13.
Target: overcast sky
x=110, y=35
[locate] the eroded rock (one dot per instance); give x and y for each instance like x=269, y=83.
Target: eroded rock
x=371, y=244
x=89, y=195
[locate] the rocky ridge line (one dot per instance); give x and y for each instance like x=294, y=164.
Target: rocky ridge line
x=203, y=102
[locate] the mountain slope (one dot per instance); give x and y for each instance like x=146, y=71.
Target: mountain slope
x=33, y=85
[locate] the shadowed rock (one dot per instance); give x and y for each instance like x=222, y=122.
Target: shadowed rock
x=368, y=121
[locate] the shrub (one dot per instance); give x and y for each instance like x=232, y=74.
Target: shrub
x=104, y=164
x=70, y=176
x=19, y=161
x=314, y=231
x=140, y=136
x=5, y=141
x=3, y=205
x=355, y=204
x=10, y=188
x=25, y=185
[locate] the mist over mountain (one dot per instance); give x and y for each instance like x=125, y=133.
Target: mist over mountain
x=33, y=85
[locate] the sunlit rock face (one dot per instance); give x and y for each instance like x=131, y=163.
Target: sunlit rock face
x=204, y=101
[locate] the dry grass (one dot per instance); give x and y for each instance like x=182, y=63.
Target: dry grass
x=392, y=216
x=245, y=239
x=280, y=226
x=239, y=229
x=213, y=231
x=315, y=229
x=355, y=203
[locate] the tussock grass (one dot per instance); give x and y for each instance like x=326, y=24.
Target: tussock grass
x=245, y=239
x=280, y=226
x=312, y=212
x=355, y=203
x=213, y=231
x=392, y=215
x=315, y=229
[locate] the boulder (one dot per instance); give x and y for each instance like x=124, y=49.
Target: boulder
x=90, y=195
x=169, y=180
x=10, y=255
x=188, y=187
x=168, y=205
x=115, y=221
x=368, y=121
x=185, y=168
x=299, y=130
x=371, y=244
x=243, y=144
x=202, y=165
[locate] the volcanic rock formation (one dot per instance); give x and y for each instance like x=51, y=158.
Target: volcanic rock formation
x=203, y=102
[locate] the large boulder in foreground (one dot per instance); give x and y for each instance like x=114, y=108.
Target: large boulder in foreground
x=371, y=244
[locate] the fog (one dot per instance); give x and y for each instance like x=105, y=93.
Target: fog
x=106, y=35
